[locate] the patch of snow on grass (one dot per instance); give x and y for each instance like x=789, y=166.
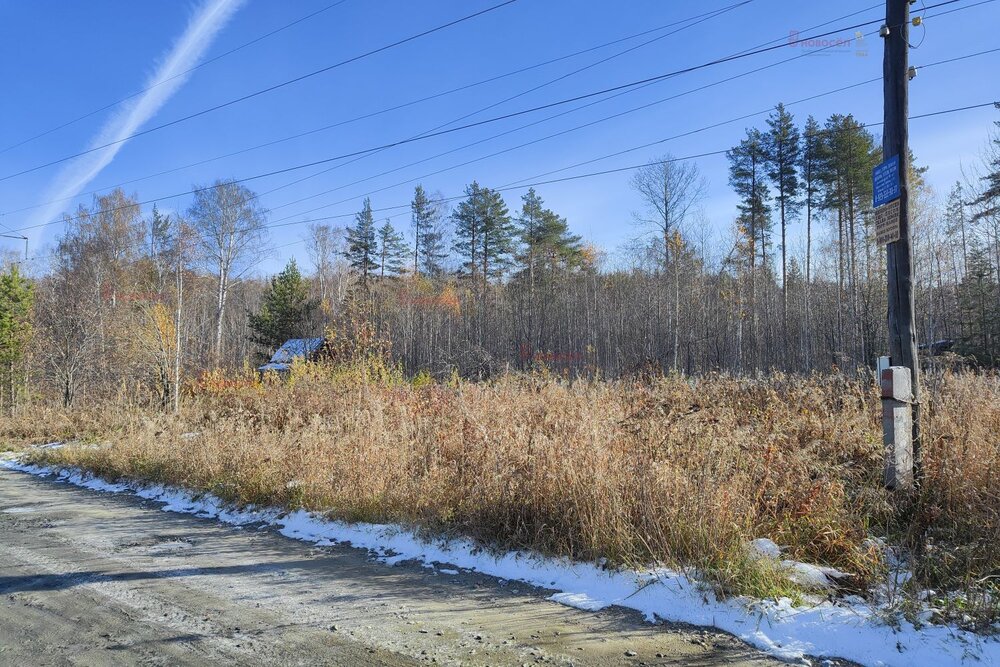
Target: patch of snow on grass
x=764, y=548
x=813, y=577
x=849, y=629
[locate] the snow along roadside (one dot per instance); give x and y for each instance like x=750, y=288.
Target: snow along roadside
x=850, y=630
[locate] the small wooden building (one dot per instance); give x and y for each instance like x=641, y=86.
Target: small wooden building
x=306, y=349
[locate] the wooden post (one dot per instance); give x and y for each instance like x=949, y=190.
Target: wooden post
x=897, y=427
x=895, y=142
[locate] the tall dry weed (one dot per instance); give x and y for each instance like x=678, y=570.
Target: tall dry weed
x=675, y=470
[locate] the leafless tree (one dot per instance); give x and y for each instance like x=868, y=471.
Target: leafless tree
x=670, y=190
x=232, y=235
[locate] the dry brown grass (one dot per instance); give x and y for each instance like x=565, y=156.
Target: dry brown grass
x=677, y=471
x=39, y=424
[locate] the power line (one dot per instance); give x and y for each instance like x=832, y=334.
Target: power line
x=877, y=5
x=397, y=107
x=362, y=154
x=389, y=109
x=171, y=78
x=948, y=111
x=705, y=18
x=604, y=157
x=700, y=19
x=728, y=79
x=269, y=89
x=593, y=174
x=957, y=9
x=632, y=84
x=745, y=117
x=633, y=167
x=960, y=58
x=722, y=152
x=505, y=116
x=600, y=120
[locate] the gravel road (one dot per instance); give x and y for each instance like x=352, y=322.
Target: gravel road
x=88, y=578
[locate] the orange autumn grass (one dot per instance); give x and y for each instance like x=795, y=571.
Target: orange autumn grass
x=679, y=471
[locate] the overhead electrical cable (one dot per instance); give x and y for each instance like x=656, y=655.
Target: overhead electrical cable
x=666, y=75
x=701, y=19
x=478, y=123
x=327, y=170
x=781, y=40
x=601, y=120
x=171, y=78
x=575, y=177
x=617, y=170
x=529, y=143
x=697, y=18
x=263, y=91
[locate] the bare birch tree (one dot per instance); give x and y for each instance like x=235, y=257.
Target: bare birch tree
x=230, y=224
x=670, y=190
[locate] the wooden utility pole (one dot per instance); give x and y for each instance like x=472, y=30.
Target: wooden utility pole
x=895, y=142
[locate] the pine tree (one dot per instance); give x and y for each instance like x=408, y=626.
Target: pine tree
x=421, y=213
x=747, y=173
x=159, y=236
x=485, y=233
x=362, y=245
x=977, y=306
x=547, y=243
x=285, y=311
x=498, y=236
x=429, y=251
x=533, y=235
x=810, y=168
x=435, y=252
x=16, y=304
x=988, y=201
x=956, y=227
x=783, y=153
x=392, y=251
x=159, y=231
x=849, y=155
x=547, y=248
x=468, y=220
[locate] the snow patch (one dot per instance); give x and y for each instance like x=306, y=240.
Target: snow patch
x=579, y=601
x=764, y=548
x=813, y=577
x=52, y=445
x=849, y=629
x=810, y=577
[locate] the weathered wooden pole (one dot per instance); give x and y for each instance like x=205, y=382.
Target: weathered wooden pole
x=895, y=147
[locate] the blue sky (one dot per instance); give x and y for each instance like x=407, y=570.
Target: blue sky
x=61, y=59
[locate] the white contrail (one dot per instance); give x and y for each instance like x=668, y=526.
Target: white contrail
x=205, y=24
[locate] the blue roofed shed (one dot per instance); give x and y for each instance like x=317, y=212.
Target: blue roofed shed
x=305, y=349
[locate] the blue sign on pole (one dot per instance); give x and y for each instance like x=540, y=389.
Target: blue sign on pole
x=885, y=181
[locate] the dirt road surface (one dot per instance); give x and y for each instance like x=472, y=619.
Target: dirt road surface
x=88, y=578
